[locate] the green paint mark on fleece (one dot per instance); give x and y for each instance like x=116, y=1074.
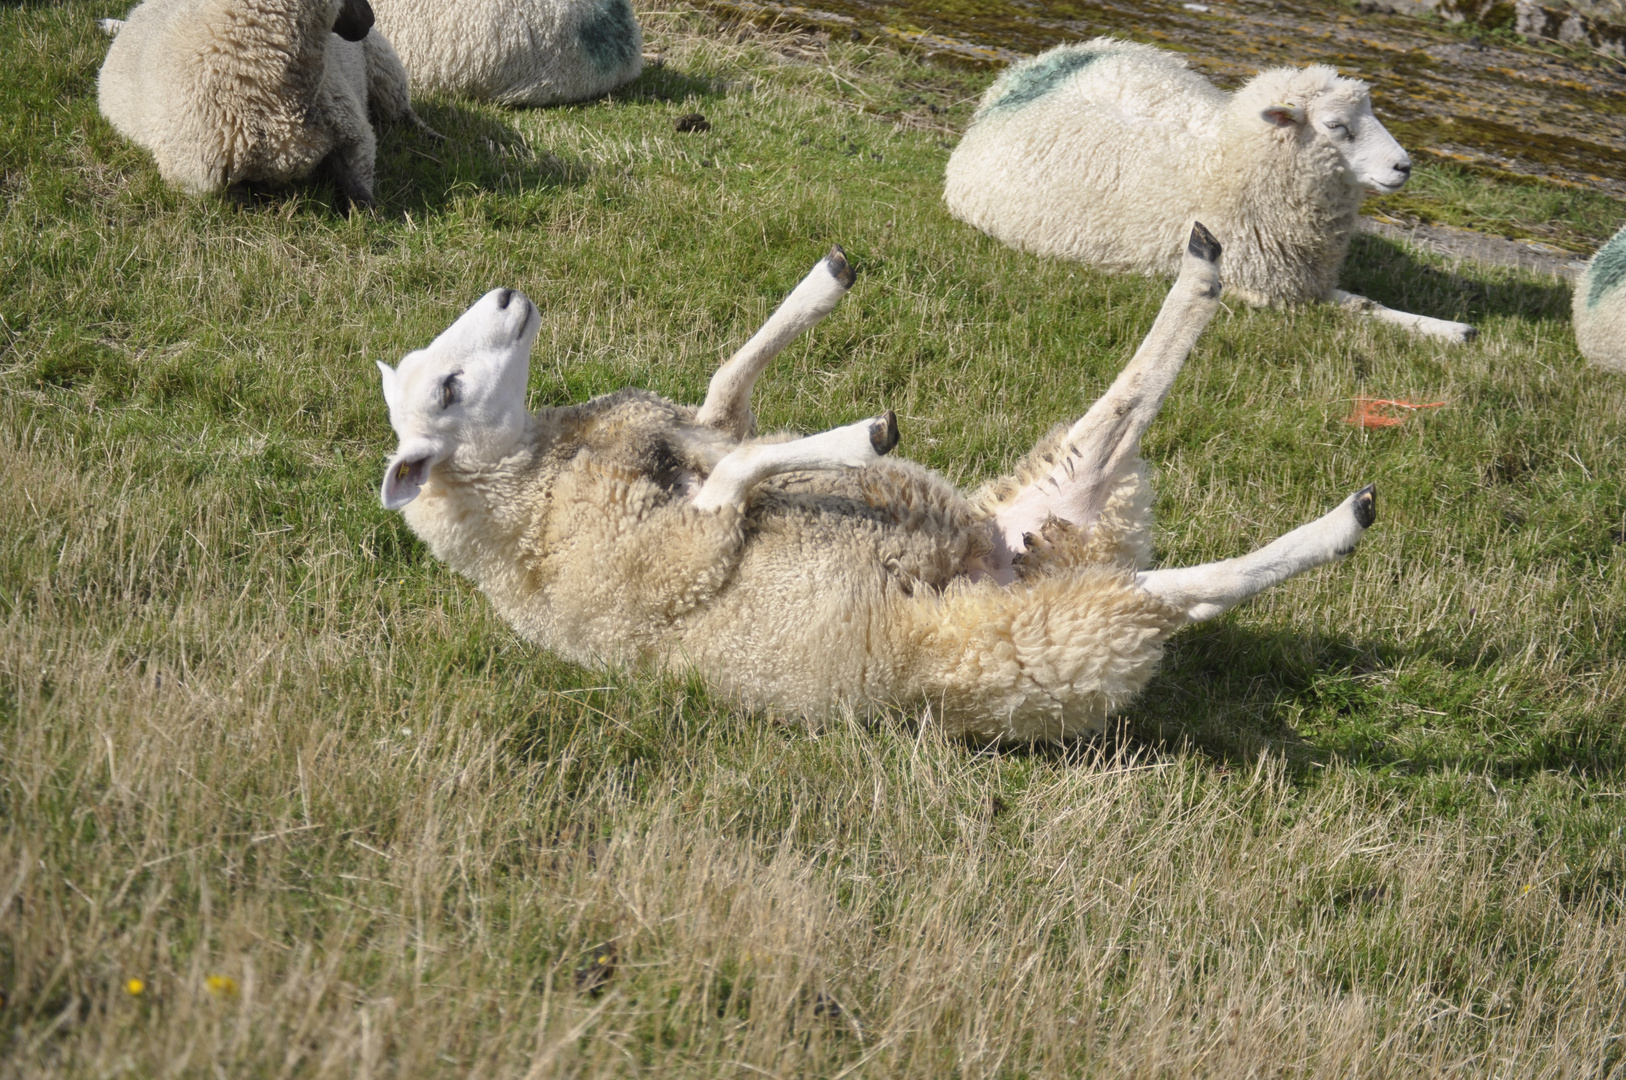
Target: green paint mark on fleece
x=1608, y=269
x=1033, y=79
x=609, y=36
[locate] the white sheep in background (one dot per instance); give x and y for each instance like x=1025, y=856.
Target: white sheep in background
x=1600, y=306
x=515, y=52
x=1105, y=152
x=226, y=92
x=814, y=574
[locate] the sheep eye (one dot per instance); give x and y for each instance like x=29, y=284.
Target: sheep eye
x=450, y=391
x=1338, y=129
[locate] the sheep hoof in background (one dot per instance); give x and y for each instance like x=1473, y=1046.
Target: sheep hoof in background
x=1105, y=152
x=818, y=574
x=516, y=52
x=239, y=92
x=1600, y=306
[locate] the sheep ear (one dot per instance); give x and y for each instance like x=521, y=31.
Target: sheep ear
x=1283, y=115
x=391, y=384
x=355, y=19
x=404, y=477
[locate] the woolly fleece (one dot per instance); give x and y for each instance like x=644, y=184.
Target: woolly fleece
x=223, y=92
x=862, y=569
x=1600, y=306
x=1105, y=152
x=515, y=52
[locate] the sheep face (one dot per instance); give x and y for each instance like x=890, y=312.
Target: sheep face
x=461, y=399
x=1341, y=112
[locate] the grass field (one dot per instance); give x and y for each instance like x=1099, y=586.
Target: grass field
x=260, y=754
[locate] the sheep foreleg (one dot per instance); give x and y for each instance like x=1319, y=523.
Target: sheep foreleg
x=1205, y=591
x=1109, y=435
x=852, y=446
x=1444, y=329
x=728, y=399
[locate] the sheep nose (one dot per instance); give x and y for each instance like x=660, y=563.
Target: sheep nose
x=505, y=295
x=1404, y=168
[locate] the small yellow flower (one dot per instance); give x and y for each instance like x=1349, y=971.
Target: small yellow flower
x=221, y=985
x=134, y=987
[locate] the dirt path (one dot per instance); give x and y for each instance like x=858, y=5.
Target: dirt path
x=1466, y=244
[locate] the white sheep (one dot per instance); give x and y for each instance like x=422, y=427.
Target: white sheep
x=1600, y=306
x=516, y=52
x=1105, y=152
x=813, y=574
x=230, y=92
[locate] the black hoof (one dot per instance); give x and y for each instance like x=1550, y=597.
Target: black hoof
x=1202, y=243
x=883, y=433
x=840, y=268
x=1366, y=506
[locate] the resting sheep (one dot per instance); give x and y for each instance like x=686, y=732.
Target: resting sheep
x=516, y=52
x=1105, y=152
x=229, y=92
x=814, y=574
x=1600, y=306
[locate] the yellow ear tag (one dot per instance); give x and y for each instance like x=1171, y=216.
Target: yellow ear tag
x=401, y=472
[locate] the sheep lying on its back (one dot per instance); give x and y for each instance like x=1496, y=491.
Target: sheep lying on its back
x=225, y=92
x=516, y=52
x=815, y=574
x=1105, y=152
x=1600, y=306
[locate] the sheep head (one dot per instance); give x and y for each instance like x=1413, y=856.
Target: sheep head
x=461, y=399
x=1315, y=103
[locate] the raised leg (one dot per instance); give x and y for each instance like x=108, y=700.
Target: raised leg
x=728, y=399
x=1087, y=463
x=1444, y=329
x=1205, y=591
x=852, y=446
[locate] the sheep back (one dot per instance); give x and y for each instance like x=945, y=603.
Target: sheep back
x=515, y=52
x=1600, y=306
x=1106, y=152
x=1073, y=153
x=228, y=91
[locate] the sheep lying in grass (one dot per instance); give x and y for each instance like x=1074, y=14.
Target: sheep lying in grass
x=1600, y=306
x=234, y=92
x=1105, y=152
x=815, y=574
x=516, y=52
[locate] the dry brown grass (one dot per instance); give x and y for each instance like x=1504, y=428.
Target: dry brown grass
x=1367, y=826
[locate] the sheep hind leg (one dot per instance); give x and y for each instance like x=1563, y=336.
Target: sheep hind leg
x=1205, y=591
x=728, y=399
x=1087, y=465
x=1443, y=329
x=852, y=446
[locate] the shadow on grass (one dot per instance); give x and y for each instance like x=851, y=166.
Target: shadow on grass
x=1235, y=694
x=1387, y=272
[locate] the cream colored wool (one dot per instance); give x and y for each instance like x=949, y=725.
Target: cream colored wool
x=1106, y=151
x=1600, y=306
x=596, y=531
x=515, y=52
x=225, y=92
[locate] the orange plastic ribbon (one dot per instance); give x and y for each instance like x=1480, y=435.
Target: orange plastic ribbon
x=1377, y=412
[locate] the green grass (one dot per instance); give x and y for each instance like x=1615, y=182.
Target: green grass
x=1370, y=824
x=1574, y=218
